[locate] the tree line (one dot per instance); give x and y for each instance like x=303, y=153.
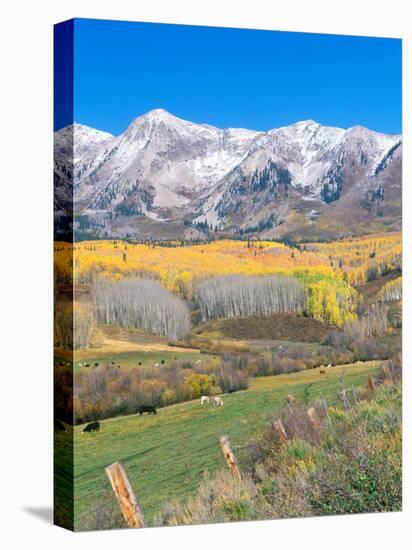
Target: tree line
x=242, y=296
x=106, y=391
x=141, y=303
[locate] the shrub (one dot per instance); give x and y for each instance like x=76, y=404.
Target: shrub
x=219, y=499
x=105, y=516
x=231, y=379
x=369, y=481
x=200, y=384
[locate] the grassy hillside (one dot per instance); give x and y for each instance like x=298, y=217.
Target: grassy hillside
x=351, y=464
x=165, y=455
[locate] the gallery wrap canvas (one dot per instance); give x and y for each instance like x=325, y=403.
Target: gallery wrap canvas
x=228, y=274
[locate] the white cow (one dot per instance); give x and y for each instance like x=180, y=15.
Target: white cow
x=204, y=399
x=217, y=401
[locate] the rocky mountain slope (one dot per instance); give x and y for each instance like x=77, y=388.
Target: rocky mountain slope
x=166, y=177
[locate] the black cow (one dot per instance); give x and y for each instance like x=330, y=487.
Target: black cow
x=92, y=427
x=59, y=426
x=146, y=409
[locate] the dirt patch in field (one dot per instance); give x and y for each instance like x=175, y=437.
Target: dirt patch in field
x=275, y=327
x=134, y=336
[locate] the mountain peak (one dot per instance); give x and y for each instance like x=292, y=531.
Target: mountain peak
x=78, y=138
x=308, y=123
x=157, y=116
x=159, y=113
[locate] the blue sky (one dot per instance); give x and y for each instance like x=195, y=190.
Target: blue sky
x=233, y=78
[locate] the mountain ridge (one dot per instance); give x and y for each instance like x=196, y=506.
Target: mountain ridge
x=195, y=178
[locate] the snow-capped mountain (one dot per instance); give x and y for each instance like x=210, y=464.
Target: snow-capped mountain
x=167, y=176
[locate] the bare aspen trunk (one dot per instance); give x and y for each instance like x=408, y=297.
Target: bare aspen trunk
x=124, y=493
x=313, y=417
x=230, y=457
x=371, y=383
x=280, y=430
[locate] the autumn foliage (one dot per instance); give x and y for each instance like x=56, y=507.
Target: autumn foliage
x=327, y=272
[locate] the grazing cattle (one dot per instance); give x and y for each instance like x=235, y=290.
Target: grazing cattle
x=217, y=401
x=149, y=409
x=290, y=399
x=86, y=365
x=322, y=371
x=329, y=366
x=96, y=364
x=156, y=364
x=198, y=362
x=162, y=361
x=92, y=427
x=59, y=426
x=204, y=399
x=140, y=363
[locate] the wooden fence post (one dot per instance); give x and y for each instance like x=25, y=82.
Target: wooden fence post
x=124, y=493
x=313, y=417
x=280, y=430
x=345, y=400
x=386, y=372
x=230, y=457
